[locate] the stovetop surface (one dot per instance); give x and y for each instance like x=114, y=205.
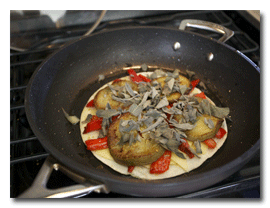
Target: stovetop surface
x=35, y=35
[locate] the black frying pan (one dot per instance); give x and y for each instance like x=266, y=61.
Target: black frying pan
x=69, y=77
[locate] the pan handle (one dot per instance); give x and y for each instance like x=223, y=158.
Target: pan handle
x=39, y=190
x=200, y=24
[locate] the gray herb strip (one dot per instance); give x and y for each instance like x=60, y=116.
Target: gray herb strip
x=197, y=145
x=162, y=103
x=159, y=121
x=88, y=118
x=209, y=123
x=129, y=90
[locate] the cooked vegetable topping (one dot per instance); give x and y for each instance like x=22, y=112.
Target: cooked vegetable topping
x=154, y=125
x=72, y=119
x=130, y=168
x=206, y=108
x=90, y=104
x=96, y=144
x=150, y=105
x=145, y=79
x=162, y=164
x=129, y=90
x=88, y=118
x=116, y=80
x=201, y=95
x=94, y=124
x=221, y=133
x=209, y=123
x=135, y=109
x=107, y=113
x=210, y=143
x=197, y=145
x=194, y=83
x=133, y=76
x=166, y=121
x=162, y=103
x=184, y=147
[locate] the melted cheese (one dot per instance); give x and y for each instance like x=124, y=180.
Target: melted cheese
x=179, y=161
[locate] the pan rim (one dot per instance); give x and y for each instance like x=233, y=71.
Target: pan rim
x=68, y=162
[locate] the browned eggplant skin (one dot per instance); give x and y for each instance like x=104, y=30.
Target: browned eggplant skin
x=104, y=96
x=138, y=153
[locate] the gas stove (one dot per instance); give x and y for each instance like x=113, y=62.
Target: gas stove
x=34, y=35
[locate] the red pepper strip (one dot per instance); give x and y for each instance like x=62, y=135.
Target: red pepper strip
x=210, y=143
x=93, y=125
x=145, y=79
x=130, y=168
x=201, y=95
x=184, y=147
x=90, y=104
x=221, y=132
x=97, y=144
x=194, y=83
x=114, y=117
x=133, y=76
x=169, y=106
x=116, y=80
x=162, y=164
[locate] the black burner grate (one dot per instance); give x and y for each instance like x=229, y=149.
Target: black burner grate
x=26, y=153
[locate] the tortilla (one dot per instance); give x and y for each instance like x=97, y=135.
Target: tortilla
x=178, y=165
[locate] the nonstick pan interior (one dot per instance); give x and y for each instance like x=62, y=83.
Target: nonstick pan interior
x=69, y=77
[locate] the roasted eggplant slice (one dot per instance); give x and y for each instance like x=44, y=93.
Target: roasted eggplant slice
x=104, y=96
x=142, y=152
x=202, y=131
x=174, y=95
